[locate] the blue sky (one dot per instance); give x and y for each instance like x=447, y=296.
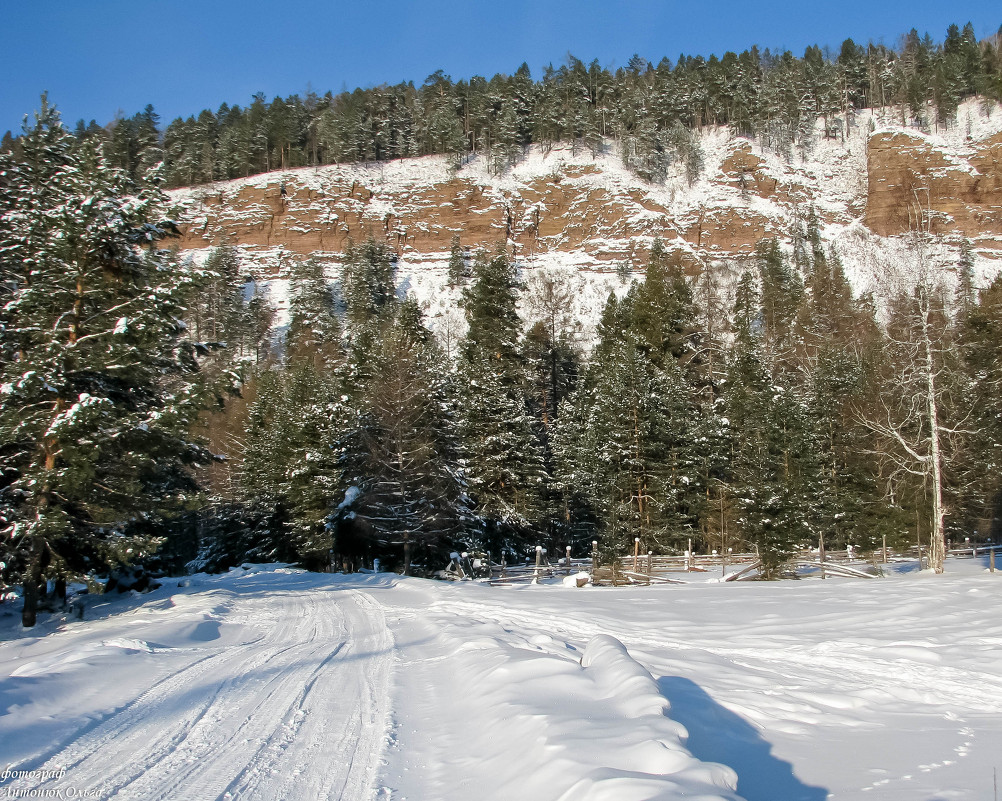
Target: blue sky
x=96, y=57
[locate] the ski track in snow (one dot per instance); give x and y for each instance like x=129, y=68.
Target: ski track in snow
x=297, y=713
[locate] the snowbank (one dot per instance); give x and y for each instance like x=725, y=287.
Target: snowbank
x=645, y=758
x=536, y=725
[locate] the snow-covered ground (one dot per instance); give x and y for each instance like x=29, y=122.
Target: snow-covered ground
x=270, y=683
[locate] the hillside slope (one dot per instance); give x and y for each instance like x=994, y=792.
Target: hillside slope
x=586, y=213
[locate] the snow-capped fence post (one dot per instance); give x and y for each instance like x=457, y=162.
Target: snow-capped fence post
x=594, y=559
x=568, y=562
x=650, y=562
x=884, y=549
x=539, y=564
x=636, y=554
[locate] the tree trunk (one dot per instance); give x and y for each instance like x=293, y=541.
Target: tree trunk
x=29, y=615
x=937, y=544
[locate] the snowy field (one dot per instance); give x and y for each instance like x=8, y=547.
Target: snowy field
x=271, y=683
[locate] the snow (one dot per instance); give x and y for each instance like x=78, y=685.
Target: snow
x=271, y=683
x=233, y=687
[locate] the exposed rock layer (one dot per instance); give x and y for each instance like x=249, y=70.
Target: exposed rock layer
x=889, y=180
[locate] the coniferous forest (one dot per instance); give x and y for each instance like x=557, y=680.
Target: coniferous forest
x=151, y=415
x=649, y=110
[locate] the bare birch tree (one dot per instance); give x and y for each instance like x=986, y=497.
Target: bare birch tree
x=918, y=415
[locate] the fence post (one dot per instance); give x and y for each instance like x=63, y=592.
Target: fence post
x=884, y=548
x=636, y=554
x=594, y=559
x=688, y=558
x=650, y=562
x=991, y=557
x=539, y=562
x=568, y=560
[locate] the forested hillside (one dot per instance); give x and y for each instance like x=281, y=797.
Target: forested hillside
x=156, y=407
x=649, y=110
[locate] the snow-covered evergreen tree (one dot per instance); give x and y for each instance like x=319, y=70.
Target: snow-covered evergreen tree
x=400, y=448
x=98, y=387
x=502, y=453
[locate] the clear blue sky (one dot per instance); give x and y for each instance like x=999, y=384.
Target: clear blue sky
x=96, y=57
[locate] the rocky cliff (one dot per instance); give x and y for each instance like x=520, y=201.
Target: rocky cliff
x=584, y=211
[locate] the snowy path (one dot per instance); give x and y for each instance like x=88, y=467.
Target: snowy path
x=287, y=700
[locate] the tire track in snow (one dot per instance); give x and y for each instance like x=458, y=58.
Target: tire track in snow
x=300, y=712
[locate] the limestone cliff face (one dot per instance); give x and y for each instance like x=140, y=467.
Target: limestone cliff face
x=910, y=178
x=587, y=211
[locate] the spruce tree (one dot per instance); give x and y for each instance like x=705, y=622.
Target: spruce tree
x=502, y=453
x=401, y=450
x=314, y=331
x=981, y=346
x=291, y=466
x=772, y=463
x=662, y=310
x=457, y=262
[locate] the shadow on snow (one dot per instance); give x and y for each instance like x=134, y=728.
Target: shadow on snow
x=718, y=735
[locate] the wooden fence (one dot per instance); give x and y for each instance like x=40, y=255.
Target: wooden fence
x=647, y=569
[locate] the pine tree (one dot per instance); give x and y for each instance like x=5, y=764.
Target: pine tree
x=98, y=385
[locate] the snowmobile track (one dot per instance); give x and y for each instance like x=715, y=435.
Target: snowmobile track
x=299, y=712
